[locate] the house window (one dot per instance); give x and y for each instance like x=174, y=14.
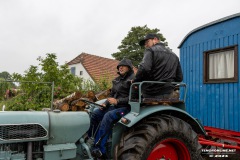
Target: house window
x=81, y=73
x=221, y=65
x=73, y=70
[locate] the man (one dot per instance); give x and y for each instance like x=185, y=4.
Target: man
x=115, y=107
x=158, y=64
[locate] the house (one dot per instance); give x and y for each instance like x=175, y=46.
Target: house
x=92, y=67
x=209, y=56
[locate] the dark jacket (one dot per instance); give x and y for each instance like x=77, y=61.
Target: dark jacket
x=159, y=64
x=121, y=85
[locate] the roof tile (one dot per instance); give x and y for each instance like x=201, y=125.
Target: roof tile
x=97, y=66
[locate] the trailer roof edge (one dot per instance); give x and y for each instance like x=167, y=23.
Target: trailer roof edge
x=207, y=25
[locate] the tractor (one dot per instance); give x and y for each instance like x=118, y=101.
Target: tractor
x=153, y=129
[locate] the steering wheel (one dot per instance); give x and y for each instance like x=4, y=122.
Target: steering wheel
x=90, y=102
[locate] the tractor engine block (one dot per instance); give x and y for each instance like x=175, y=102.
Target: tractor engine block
x=22, y=151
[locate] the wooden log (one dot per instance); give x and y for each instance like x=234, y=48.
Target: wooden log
x=63, y=106
x=81, y=103
x=72, y=97
x=74, y=102
x=68, y=99
x=103, y=94
x=74, y=108
x=91, y=96
x=78, y=102
x=81, y=108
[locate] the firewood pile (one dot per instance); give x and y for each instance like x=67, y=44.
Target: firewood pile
x=74, y=101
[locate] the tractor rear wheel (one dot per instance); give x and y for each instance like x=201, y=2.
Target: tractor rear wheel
x=159, y=137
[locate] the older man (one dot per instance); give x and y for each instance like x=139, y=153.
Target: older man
x=159, y=64
x=115, y=107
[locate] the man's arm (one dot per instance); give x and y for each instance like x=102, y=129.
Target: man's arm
x=122, y=100
x=145, y=66
x=111, y=95
x=179, y=75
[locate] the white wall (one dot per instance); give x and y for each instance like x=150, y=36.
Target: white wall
x=79, y=67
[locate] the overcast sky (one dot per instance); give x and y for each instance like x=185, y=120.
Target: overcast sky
x=32, y=28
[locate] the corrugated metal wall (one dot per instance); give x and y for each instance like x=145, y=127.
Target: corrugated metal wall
x=216, y=105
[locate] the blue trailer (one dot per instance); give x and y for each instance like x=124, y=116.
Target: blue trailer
x=210, y=59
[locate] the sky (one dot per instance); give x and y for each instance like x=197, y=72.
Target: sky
x=33, y=28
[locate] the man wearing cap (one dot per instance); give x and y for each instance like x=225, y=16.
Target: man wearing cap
x=159, y=64
x=115, y=107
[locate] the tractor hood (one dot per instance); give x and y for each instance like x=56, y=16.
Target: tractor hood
x=67, y=127
x=56, y=127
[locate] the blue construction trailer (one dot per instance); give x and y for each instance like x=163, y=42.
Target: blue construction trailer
x=210, y=60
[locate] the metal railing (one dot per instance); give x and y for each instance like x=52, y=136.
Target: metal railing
x=135, y=104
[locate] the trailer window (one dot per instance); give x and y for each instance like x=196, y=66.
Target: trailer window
x=221, y=65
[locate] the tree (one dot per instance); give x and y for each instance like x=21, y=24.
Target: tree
x=3, y=88
x=130, y=48
x=5, y=75
x=50, y=71
x=36, y=94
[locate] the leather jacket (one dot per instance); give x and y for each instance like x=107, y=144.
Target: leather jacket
x=121, y=85
x=159, y=64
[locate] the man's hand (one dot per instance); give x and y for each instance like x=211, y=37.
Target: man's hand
x=112, y=101
x=103, y=106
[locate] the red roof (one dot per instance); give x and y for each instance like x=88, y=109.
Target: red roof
x=97, y=66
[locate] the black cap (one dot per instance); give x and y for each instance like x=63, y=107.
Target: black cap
x=147, y=37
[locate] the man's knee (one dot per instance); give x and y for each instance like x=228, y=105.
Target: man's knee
x=115, y=115
x=96, y=115
x=108, y=115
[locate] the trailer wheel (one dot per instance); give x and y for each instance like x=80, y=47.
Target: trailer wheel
x=159, y=137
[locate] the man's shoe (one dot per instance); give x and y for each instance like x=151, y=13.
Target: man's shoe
x=96, y=153
x=103, y=157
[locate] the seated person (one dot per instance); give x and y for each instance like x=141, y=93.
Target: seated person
x=159, y=64
x=115, y=107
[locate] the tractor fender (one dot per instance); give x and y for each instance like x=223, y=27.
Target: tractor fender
x=133, y=118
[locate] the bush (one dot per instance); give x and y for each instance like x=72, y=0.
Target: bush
x=36, y=85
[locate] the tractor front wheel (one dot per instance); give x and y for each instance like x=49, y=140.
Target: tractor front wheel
x=159, y=137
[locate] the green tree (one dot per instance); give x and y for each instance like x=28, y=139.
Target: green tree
x=5, y=75
x=37, y=95
x=3, y=88
x=130, y=48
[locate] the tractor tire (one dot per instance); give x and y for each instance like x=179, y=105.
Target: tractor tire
x=159, y=137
